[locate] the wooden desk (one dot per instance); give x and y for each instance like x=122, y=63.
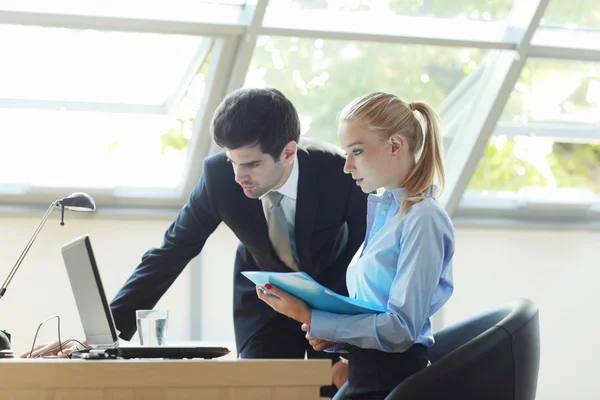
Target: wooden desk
x=54, y=379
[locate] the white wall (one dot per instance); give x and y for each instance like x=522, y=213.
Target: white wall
x=559, y=270
x=41, y=287
x=556, y=269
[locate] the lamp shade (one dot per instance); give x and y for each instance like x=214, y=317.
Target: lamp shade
x=79, y=202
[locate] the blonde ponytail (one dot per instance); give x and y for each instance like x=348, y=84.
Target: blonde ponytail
x=429, y=166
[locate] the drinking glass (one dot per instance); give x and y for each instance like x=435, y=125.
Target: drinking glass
x=152, y=326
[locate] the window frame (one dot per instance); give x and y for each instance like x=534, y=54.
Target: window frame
x=235, y=30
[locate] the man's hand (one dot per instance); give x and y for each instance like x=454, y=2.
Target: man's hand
x=53, y=349
x=285, y=303
x=339, y=374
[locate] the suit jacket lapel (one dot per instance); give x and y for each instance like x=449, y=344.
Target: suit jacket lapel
x=306, y=209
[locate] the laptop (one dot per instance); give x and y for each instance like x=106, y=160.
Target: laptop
x=96, y=316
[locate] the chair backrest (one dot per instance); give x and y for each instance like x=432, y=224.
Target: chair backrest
x=494, y=355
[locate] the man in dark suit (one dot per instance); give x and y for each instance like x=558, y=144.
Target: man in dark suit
x=323, y=220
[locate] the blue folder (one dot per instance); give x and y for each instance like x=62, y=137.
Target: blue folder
x=316, y=296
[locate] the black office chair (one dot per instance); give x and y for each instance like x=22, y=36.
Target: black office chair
x=494, y=356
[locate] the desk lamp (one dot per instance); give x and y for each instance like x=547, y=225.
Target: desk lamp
x=74, y=202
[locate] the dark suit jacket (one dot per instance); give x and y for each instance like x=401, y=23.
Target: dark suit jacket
x=330, y=227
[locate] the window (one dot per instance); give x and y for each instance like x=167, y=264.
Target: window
x=556, y=91
x=575, y=14
x=512, y=164
x=226, y=2
x=54, y=64
x=321, y=76
x=573, y=26
x=425, y=22
x=225, y=11
x=549, y=132
x=117, y=105
x=492, y=10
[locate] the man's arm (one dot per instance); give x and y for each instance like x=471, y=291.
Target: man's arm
x=160, y=266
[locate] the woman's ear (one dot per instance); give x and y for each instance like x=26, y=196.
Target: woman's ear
x=397, y=143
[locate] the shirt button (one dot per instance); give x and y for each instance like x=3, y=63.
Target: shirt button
x=389, y=195
x=383, y=212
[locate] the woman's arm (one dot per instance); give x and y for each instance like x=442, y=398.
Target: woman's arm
x=426, y=249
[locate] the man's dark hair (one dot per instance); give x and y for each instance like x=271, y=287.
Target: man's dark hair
x=250, y=117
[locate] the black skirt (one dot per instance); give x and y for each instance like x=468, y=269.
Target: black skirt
x=373, y=374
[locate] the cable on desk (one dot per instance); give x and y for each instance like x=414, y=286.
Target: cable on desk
x=60, y=344
x=63, y=344
x=38, y=331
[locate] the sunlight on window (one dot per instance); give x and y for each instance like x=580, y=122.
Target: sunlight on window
x=525, y=161
x=575, y=14
x=47, y=144
x=54, y=148
x=556, y=90
x=173, y=10
x=499, y=141
x=535, y=151
x=550, y=95
x=320, y=76
x=85, y=65
x=489, y=10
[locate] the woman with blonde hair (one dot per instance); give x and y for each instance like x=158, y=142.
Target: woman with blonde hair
x=405, y=263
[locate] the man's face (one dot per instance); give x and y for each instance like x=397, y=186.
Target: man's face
x=255, y=171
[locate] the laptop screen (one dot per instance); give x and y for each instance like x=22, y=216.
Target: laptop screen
x=94, y=310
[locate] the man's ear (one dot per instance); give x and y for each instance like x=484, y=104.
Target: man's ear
x=288, y=154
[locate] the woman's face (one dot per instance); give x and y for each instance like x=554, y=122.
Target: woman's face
x=369, y=158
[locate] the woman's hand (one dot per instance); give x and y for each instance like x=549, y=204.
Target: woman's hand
x=317, y=344
x=53, y=349
x=285, y=303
